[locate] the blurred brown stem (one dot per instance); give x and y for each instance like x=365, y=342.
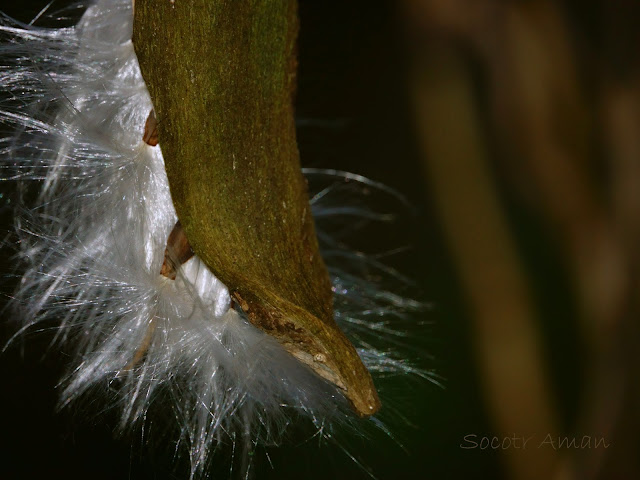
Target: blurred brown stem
x=546, y=115
x=507, y=344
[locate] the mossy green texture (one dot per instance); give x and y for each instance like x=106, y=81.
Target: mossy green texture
x=221, y=74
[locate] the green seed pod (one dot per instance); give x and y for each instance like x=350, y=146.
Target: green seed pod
x=221, y=75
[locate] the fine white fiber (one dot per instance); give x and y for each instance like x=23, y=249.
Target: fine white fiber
x=91, y=233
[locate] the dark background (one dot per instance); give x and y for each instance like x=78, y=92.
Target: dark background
x=357, y=114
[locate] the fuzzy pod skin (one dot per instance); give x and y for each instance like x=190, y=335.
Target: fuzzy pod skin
x=92, y=225
x=221, y=76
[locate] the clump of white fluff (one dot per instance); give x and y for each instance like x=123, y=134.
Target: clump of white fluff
x=92, y=242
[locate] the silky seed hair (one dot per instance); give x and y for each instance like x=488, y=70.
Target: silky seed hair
x=92, y=219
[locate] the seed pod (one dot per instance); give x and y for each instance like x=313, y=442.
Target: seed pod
x=221, y=75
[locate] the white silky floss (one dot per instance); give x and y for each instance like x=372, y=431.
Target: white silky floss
x=94, y=242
